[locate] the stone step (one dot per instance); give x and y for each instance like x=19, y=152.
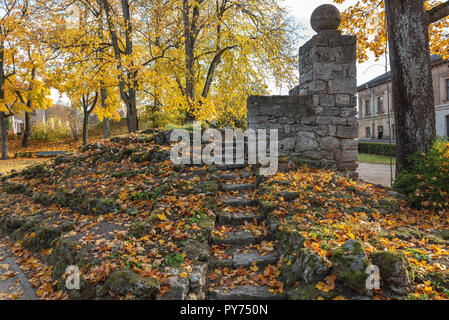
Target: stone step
x=237, y=187
x=239, y=202
x=239, y=237
x=223, y=167
x=232, y=175
x=244, y=293
x=238, y=218
x=247, y=259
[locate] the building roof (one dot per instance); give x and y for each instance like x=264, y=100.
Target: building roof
x=435, y=60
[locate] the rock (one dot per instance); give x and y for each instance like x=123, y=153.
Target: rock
x=195, y=250
x=244, y=293
x=444, y=234
x=198, y=279
x=179, y=288
x=208, y=187
x=441, y=278
x=288, y=195
x=325, y=17
x=308, y=292
x=396, y=195
x=307, y=267
x=395, y=270
x=349, y=263
x=126, y=281
x=87, y=291
x=389, y=205
x=290, y=239
x=267, y=207
x=140, y=229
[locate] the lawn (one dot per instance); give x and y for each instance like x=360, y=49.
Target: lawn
x=375, y=158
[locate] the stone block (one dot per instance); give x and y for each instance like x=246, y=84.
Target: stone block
x=329, y=143
x=349, y=144
x=347, y=132
x=343, y=86
x=343, y=156
x=306, y=141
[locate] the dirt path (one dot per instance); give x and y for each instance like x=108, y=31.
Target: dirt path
x=376, y=173
x=14, y=283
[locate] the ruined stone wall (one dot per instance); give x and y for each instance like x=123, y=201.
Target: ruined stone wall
x=317, y=122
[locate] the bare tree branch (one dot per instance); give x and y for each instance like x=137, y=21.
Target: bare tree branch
x=439, y=12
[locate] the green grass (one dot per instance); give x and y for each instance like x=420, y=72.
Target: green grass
x=374, y=158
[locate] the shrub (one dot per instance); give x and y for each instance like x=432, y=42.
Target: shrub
x=426, y=184
x=383, y=149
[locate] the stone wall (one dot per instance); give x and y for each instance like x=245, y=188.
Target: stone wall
x=317, y=122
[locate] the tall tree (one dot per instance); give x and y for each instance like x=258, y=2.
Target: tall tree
x=409, y=23
x=128, y=82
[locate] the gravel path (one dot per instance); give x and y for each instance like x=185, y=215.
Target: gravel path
x=14, y=283
x=376, y=173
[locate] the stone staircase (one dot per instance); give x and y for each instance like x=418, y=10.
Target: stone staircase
x=240, y=233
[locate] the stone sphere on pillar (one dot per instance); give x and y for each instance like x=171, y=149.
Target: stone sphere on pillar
x=325, y=17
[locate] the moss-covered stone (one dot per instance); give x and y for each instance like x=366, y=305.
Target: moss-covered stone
x=407, y=233
x=43, y=236
x=306, y=267
x=440, y=279
x=349, y=264
x=267, y=207
x=290, y=239
x=126, y=281
x=207, y=226
x=87, y=290
x=140, y=229
x=196, y=250
x=207, y=187
x=265, y=188
x=309, y=292
x=395, y=270
x=444, y=234
x=99, y=206
x=389, y=205
x=288, y=195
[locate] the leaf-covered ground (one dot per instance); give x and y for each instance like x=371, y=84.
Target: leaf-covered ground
x=331, y=210
x=130, y=219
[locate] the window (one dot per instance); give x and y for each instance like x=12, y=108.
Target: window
x=368, y=132
x=380, y=132
x=447, y=126
x=33, y=112
x=380, y=105
x=447, y=89
x=393, y=127
x=367, y=108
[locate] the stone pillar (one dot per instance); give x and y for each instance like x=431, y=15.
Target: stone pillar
x=327, y=65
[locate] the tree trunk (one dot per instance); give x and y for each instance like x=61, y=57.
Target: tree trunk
x=106, y=124
x=131, y=111
x=413, y=98
x=85, y=128
x=4, y=135
x=27, y=131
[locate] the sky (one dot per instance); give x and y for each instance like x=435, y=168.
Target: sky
x=302, y=10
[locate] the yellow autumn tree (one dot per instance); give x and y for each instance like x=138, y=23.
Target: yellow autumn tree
x=215, y=54
x=85, y=70
x=22, y=85
x=366, y=20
